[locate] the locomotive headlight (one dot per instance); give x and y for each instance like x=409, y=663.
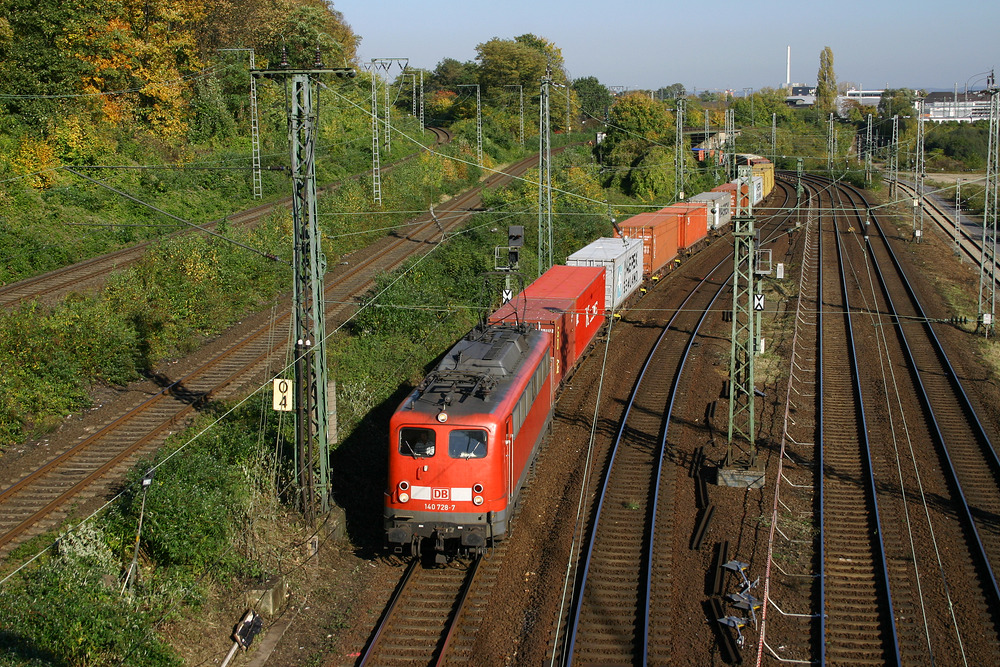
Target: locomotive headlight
x=442, y=417
x=478, y=500
x=404, y=497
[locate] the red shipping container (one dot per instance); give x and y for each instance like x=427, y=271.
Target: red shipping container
x=554, y=316
x=692, y=223
x=584, y=287
x=658, y=233
x=583, y=284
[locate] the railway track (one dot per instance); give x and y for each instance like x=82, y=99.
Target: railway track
x=423, y=615
x=433, y=615
x=36, y=501
x=615, y=598
x=93, y=272
x=966, y=238
x=907, y=569
x=621, y=610
x=945, y=455
x=857, y=624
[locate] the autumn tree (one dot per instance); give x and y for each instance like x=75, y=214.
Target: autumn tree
x=826, y=82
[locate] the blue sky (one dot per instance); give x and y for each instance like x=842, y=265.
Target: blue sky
x=704, y=45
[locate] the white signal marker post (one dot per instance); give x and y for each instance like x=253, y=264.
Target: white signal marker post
x=282, y=395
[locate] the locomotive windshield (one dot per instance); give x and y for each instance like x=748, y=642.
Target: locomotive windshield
x=467, y=444
x=416, y=442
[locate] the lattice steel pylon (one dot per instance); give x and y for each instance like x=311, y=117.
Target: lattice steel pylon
x=894, y=157
x=829, y=145
x=544, y=179
x=479, y=121
x=258, y=185
x=679, y=152
x=868, y=151
x=918, y=176
x=376, y=166
x=421, y=100
x=741, y=449
x=991, y=206
x=312, y=458
x=730, y=146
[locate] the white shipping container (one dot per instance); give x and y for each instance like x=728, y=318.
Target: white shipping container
x=720, y=207
x=622, y=260
x=758, y=189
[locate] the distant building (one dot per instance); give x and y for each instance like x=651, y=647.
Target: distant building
x=961, y=107
x=864, y=98
x=801, y=95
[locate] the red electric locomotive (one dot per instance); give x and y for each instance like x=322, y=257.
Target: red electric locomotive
x=461, y=443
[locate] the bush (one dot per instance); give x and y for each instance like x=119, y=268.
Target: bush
x=69, y=611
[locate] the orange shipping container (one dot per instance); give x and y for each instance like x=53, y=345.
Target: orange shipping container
x=658, y=232
x=692, y=224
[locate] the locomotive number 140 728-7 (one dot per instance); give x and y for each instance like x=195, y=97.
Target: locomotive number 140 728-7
x=439, y=507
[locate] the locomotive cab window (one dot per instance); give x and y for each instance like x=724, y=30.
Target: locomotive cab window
x=467, y=444
x=416, y=442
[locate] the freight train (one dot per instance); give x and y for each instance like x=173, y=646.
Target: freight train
x=461, y=444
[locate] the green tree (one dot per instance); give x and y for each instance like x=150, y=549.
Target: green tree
x=450, y=73
x=505, y=62
x=826, y=82
x=553, y=54
x=639, y=129
x=595, y=98
x=311, y=24
x=34, y=63
x=896, y=102
x=671, y=92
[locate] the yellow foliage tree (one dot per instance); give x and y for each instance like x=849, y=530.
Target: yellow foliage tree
x=138, y=60
x=36, y=161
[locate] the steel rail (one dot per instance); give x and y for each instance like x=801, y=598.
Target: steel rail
x=383, y=622
x=356, y=271
x=577, y=604
x=982, y=437
x=577, y=601
x=866, y=445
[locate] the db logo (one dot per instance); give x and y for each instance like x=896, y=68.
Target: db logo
x=440, y=494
